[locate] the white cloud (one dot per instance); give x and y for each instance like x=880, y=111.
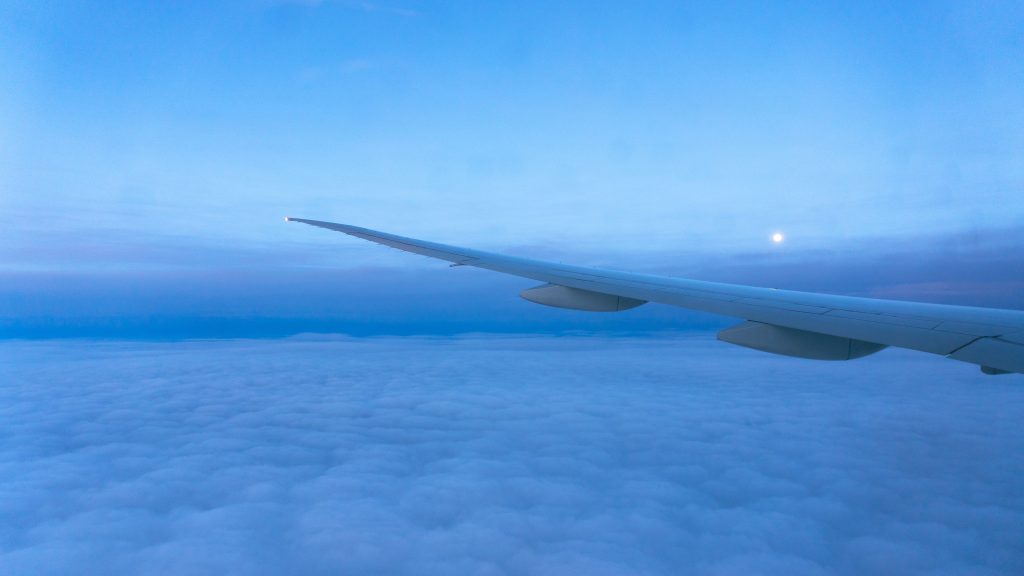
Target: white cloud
x=502, y=456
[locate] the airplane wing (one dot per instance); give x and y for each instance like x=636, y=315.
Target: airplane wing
x=803, y=324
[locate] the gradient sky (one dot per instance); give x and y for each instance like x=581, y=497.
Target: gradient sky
x=148, y=152
x=158, y=147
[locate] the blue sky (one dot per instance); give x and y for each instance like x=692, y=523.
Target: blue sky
x=161, y=145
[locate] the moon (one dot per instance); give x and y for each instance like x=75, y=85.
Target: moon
x=777, y=238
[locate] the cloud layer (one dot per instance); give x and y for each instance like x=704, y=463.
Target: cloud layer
x=502, y=456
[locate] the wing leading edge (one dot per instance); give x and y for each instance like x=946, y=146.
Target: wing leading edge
x=781, y=321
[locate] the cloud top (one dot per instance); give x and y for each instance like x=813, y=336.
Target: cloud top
x=502, y=456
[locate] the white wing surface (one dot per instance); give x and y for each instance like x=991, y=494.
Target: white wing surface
x=803, y=324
